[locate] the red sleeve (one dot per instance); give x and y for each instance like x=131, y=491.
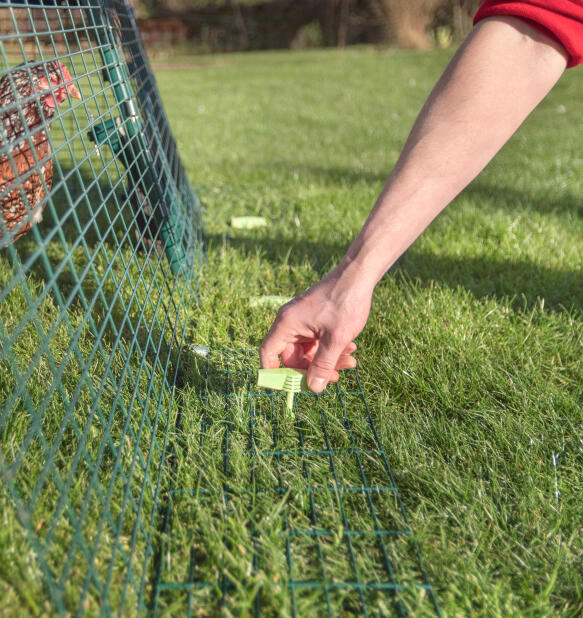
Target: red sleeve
x=562, y=20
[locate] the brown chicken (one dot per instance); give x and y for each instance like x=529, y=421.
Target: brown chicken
x=28, y=99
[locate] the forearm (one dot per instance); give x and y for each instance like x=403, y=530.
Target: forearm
x=500, y=74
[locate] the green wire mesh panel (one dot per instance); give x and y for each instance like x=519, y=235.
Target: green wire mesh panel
x=272, y=514
x=93, y=306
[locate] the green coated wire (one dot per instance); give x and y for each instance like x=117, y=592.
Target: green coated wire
x=222, y=371
x=110, y=307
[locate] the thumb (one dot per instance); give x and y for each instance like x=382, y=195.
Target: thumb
x=323, y=367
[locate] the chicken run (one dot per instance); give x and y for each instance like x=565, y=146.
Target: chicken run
x=100, y=246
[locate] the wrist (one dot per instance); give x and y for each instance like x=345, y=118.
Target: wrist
x=352, y=277
x=368, y=259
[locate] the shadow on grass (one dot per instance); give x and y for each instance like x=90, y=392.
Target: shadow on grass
x=330, y=175
x=522, y=282
x=509, y=198
x=480, y=189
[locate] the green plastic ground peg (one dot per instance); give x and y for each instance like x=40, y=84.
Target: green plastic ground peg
x=290, y=381
x=248, y=223
x=268, y=301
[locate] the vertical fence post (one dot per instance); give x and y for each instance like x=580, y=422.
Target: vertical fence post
x=133, y=149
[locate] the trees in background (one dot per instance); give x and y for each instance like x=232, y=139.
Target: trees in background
x=227, y=25
x=407, y=22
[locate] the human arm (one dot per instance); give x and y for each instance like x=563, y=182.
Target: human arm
x=497, y=77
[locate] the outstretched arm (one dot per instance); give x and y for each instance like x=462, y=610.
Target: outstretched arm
x=497, y=77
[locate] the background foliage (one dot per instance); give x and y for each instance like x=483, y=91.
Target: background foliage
x=229, y=25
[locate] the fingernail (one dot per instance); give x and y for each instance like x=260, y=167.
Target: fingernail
x=317, y=385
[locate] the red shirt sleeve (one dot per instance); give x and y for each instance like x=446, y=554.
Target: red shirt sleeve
x=562, y=20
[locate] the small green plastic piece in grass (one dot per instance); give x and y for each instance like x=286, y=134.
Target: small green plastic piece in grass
x=269, y=301
x=290, y=381
x=248, y=223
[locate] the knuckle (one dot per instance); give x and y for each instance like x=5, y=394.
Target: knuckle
x=284, y=310
x=336, y=342
x=327, y=363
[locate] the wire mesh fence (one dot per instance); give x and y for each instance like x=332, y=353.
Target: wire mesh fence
x=271, y=514
x=100, y=241
x=136, y=477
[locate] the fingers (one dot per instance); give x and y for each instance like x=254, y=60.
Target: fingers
x=300, y=355
x=269, y=351
x=350, y=348
x=323, y=368
x=279, y=341
x=346, y=360
x=321, y=349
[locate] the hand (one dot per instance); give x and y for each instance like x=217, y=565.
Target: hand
x=497, y=77
x=316, y=331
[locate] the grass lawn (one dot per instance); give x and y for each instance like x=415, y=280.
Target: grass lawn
x=471, y=364
x=471, y=359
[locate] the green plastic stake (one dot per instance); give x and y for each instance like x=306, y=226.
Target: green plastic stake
x=270, y=301
x=248, y=223
x=290, y=381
